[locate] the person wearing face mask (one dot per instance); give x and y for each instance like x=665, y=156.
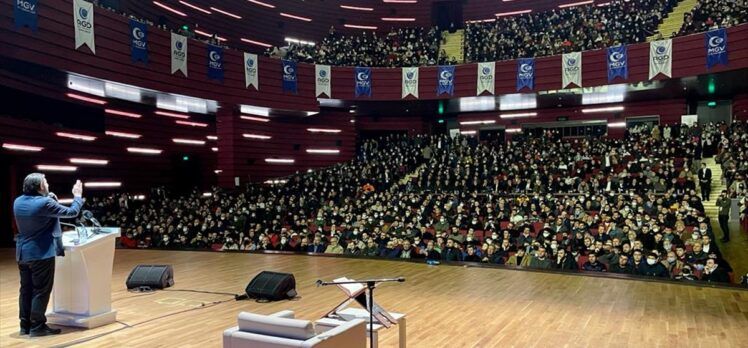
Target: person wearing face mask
x=652, y=268
x=672, y=264
x=284, y=244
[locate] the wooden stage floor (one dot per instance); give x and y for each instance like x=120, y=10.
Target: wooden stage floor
x=447, y=306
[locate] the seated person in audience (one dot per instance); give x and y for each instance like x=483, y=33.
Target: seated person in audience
x=713, y=273
x=653, y=268
x=371, y=249
x=672, y=264
x=317, y=246
x=518, y=259
x=334, y=247
x=540, y=260
x=697, y=255
x=451, y=252
x=622, y=266
x=470, y=255
x=408, y=252
x=564, y=262
x=686, y=275
x=592, y=264
x=637, y=262
x=430, y=253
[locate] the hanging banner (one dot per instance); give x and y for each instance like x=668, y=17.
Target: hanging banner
x=445, y=79
x=661, y=58
x=323, y=76
x=409, y=82
x=363, y=81
x=25, y=14
x=525, y=73
x=215, y=63
x=485, y=81
x=84, y=24
x=716, y=47
x=289, y=76
x=178, y=53
x=138, y=41
x=617, y=63
x=250, y=71
x=571, y=69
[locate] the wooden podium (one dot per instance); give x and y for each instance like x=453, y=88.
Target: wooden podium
x=82, y=293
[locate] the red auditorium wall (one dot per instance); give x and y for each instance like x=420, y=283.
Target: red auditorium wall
x=316, y=141
x=136, y=172
x=413, y=125
x=670, y=112
x=53, y=46
x=740, y=107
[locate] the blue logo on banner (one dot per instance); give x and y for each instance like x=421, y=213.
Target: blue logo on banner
x=138, y=41
x=289, y=76
x=716, y=47
x=445, y=80
x=525, y=73
x=617, y=63
x=215, y=62
x=363, y=81
x=25, y=14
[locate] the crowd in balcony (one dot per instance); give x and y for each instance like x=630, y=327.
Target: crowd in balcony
x=536, y=202
x=398, y=47
x=564, y=30
x=714, y=14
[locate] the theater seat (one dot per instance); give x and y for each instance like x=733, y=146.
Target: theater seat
x=582, y=259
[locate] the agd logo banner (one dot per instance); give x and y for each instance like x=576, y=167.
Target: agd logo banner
x=83, y=20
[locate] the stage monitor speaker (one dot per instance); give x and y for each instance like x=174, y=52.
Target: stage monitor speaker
x=272, y=286
x=152, y=276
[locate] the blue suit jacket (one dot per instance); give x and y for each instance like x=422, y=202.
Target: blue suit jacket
x=38, y=220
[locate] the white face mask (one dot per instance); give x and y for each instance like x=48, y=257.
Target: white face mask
x=671, y=259
x=651, y=262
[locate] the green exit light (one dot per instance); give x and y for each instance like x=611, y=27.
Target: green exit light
x=441, y=120
x=441, y=108
x=711, y=104
x=711, y=87
x=185, y=158
x=185, y=27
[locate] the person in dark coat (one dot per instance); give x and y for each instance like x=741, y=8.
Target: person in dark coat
x=654, y=268
x=713, y=273
x=564, y=261
x=622, y=266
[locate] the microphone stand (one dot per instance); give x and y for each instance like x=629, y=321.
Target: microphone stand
x=370, y=284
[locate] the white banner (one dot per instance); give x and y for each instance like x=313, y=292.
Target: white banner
x=571, y=69
x=661, y=58
x=83, y=18
x=322, y=80
x=486, y=77
x=178, y=53
x=251, y=70
x=410, y=81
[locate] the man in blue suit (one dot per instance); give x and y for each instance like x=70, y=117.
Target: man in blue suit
x=39, y=240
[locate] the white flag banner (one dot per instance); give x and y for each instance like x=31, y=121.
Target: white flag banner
x=178, y=53
x=486, y=77
x=322, y=78
x=83, y=17
x=661, y=58
x=571, y=69
x=410, y=81
x=251, y=64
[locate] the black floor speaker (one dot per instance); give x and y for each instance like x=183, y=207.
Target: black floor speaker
x=152, y=276
x=272, y=286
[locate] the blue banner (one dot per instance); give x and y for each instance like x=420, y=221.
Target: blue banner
x=525, y=73
x=716, y=47
x=25, y=13
x=363, y=81
x=138, y=41
x=215, y=63
x=618, y=63
x=289, y=76
x=445, y=79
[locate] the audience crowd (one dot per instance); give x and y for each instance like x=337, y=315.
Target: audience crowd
x=625, y=206
x=714, y=14
x=564, y=30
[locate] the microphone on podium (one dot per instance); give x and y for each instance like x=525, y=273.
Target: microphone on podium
x=319, y=282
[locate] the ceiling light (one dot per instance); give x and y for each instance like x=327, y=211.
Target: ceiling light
x=17, y=147
x=608, y=109
x=123, y=134
x=56, y=168
x=76, y=136
x=144, y=150
x=98, y=162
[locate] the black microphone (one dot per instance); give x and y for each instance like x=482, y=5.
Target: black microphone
x=319, y=282
x=401, y=279
x=88, y=215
